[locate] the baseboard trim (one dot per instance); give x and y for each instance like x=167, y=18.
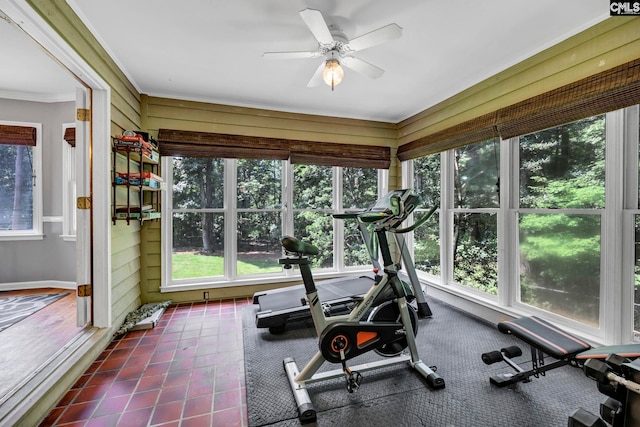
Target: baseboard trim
x=17, y=286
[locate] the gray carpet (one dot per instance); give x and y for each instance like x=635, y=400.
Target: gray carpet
x=397, y=396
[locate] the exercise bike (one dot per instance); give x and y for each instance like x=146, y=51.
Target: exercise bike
x=391, y=322
x=281, y=306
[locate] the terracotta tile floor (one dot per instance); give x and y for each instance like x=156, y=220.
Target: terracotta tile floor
x=187, y=371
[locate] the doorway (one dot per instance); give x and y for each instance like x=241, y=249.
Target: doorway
x=20, y=26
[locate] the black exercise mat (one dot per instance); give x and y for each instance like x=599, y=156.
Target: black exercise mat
x=398, y=396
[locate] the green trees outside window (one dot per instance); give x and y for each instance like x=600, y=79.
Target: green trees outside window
x=562, y=169
x=16, y=188
x=312, y=207
x=259, y=216
x=359, y=190
x=476, y=179
x=426, y=238
x=557, y=198
x=198, y=218
x=214, y=200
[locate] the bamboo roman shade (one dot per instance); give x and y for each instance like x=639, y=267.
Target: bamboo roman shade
x=208, y=144
x=17, y=135
x=478, y=129
x=609, y=90
x=70, y=136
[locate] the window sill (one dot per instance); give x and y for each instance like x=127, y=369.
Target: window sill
x=256, y=280
x=17, y=237
x=487, y=308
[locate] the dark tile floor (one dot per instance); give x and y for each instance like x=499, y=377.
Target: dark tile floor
x=187, y=371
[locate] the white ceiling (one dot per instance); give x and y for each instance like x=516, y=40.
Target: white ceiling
x=211, y=50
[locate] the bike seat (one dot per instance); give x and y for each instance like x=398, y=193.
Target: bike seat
x=297, y=246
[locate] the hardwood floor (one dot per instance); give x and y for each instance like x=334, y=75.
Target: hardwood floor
x=26, y=345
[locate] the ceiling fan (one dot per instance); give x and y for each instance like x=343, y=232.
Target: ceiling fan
x=337, y=50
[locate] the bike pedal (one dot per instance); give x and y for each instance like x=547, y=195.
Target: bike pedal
x=353, y=381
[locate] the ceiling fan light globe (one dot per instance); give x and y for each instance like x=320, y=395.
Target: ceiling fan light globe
x=333, y=73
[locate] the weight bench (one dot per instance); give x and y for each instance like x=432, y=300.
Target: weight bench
x=547, y=339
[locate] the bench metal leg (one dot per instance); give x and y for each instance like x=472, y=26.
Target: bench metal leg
x=538, y=368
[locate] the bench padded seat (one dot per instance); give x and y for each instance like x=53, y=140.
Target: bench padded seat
x=544, y=336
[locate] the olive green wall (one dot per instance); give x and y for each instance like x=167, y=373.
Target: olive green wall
x=608, y=44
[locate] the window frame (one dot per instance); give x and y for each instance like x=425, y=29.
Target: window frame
x=616, y=236
x=69, y=192
x=36, y=231
x=630, y=130
x=230, y=211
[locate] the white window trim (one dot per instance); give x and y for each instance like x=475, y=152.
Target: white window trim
x=631, y=209
x=68, y=187
x=230, y=211
x=617, y=238
x=36, y=232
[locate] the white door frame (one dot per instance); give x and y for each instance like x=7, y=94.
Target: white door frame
x=96, y=160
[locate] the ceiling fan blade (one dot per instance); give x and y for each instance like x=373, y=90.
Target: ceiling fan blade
x=362, y=67
x=316, y=79
x=291, y=55
x=316, y=23
x=375, y=37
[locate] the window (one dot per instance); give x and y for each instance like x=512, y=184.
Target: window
x=258, y=216
x=359, y=190
x=562, y=192
x=226, y=217
x=475, y=201
x=69, y=182
x=426, y=183
x=197, y=218
x=20, y=180
x=549, y=235
x=635, y=119
x=313, y=202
